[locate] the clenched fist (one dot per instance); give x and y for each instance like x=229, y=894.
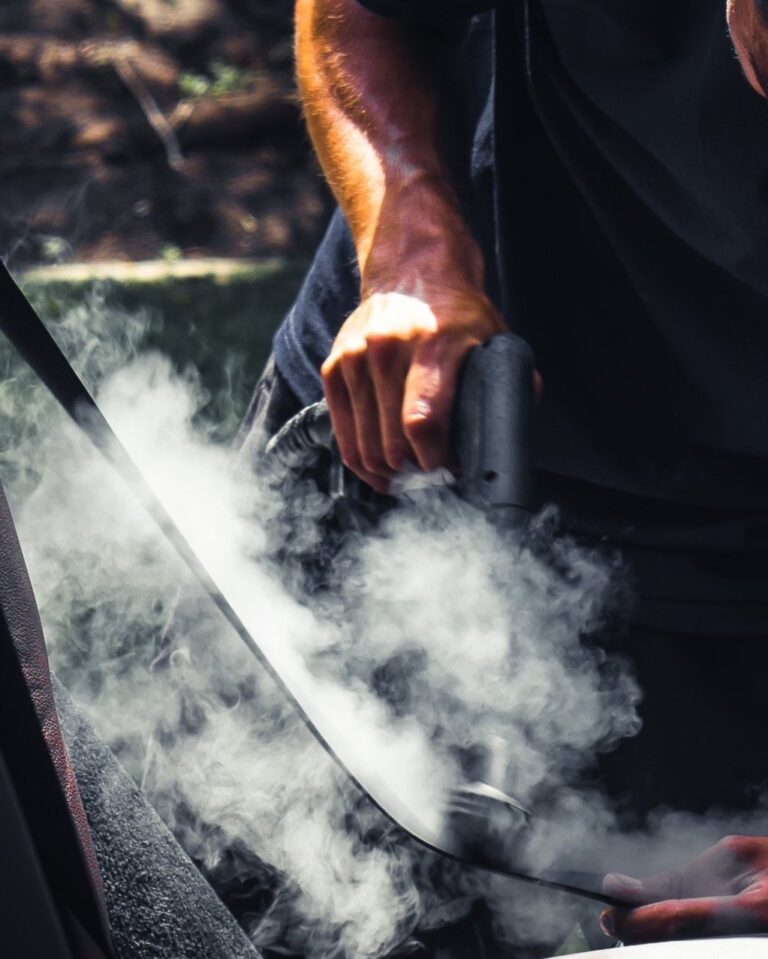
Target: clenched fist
x=391, y=377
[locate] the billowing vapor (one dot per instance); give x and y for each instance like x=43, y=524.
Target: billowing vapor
x=431, y=639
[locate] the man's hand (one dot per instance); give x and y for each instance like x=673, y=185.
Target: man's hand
x=391, y=377
x=722, y=892
x=748, y=23
x=385, y=109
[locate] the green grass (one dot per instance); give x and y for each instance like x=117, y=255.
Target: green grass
x=220, y=325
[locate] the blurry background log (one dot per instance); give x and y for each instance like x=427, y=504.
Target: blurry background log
x=239, y=118
x=99, y=97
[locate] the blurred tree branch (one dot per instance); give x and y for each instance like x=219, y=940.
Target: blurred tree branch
x=155, y=116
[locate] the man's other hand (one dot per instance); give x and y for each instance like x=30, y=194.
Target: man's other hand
x=391, y=378
x=723, y=892
x=748, y=23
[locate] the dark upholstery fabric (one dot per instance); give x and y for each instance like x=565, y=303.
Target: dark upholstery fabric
x=33, y=749
x=158, y=903
x=29, y=918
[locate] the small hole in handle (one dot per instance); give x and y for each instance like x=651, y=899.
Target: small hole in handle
x=490, y=476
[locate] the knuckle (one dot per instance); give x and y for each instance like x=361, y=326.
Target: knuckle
x=354, y=352
x=433, y=344
x=736, y=846
x=429, y=409
x=382, y=346
x=377, y=299
x=330, y=368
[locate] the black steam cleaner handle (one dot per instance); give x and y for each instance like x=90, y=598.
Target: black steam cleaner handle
x=491, y=429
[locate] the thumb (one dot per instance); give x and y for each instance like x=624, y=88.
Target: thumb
x=633, y=893
x=636, y=894
x=664, y=885
x=683, y=919
x=624, y=888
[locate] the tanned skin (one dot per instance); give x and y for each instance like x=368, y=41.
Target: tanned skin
x=748, y=23
x=374, y=119
x=722, y=893
x=373, y=114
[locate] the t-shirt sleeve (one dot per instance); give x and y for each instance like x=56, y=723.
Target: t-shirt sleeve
x=435, y=10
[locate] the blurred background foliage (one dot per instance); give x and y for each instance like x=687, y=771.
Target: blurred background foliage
x=217, y=324
x=131, y=126
x=161, y=130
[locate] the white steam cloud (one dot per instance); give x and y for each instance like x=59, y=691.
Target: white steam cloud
x=433, y=636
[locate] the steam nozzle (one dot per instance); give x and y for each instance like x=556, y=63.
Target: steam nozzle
x=486, y=826
x=489, y=829
x=483, y=823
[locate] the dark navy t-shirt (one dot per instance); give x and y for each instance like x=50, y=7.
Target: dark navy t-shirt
x=631, y=165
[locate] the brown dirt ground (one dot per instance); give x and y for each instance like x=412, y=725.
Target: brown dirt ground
x=84, y=173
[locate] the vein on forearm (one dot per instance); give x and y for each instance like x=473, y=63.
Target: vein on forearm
x=371, y=112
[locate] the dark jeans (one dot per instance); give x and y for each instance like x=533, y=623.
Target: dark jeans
x=273, y=403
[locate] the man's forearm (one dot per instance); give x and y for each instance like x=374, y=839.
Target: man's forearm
x=374, y=120
x=370, y=93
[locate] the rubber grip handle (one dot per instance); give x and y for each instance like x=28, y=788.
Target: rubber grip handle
x=492, y=425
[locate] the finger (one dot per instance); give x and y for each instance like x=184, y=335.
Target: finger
x=668, y=885
x=684, y=919
x=624, y=888
x=343, y=423
x=340, y=408
x=365, y=413
x=716, y=872
x=430, y=388
x=389, y=367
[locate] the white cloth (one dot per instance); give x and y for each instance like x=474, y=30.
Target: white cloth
x=755, y=947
